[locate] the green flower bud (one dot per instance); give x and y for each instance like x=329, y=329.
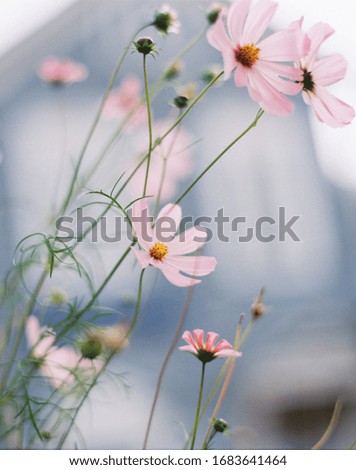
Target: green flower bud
x=91, y=348
x=220, y=425
x=180, y=102
x=145, y=46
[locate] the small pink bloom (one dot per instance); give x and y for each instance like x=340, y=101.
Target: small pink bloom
x=125, y=100
x=55, y=363
x=164, y=250
x=255, y=62
x=170, y=160
x=319, y=73
x=208, y=350
x=62, y=71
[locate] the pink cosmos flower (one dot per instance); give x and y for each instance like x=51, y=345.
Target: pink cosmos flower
x=319, y=73
x=164, y=250
x=62, y=71
x=256, y=62
x=208, y=350
x=125, y=100
x=171, y=159
x=56, y=363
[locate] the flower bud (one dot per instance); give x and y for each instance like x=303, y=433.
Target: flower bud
x=112, y=338
x=213, y=12
x=211, y=73
x=166, y=20
x=46, y=435
x=258, y=308
x=145, y=46
x=181, y=101
x=173, y=71
x=91, y=348
x=220, y=425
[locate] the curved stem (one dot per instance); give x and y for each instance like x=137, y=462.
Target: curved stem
x=200, y=396
x=251, y=126
x=333, y=422
x=172, y=347
x=149, y=118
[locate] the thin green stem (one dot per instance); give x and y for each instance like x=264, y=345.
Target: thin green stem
x=28, y=311
x=96, y=121
x=149, y=119
x=138, y=305
x=221, y=154
x=197, y=414
x=94, y=297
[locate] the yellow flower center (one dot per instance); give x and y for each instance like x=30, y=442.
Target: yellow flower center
x=158, y=251
x=247, y=55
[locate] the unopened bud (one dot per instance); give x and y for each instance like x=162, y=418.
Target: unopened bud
x=91, y=348
x=166, y=20
x=145, y=46
x=213, y=12
x=220, y=425
x=258, y=308
x=181, y=101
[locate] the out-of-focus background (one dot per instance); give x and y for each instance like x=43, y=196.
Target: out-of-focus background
x=301, y=356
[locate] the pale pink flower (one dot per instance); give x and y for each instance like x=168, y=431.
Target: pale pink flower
x=62, y=71
x=164, y=250
x=255, y=62
x=56, y=363
x=126, y=100
x=319, y=73
x=208, y=350
x=171, y=159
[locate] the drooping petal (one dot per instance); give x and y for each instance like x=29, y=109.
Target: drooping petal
x=188, y=349
x=268, y=70
x=329, y=70
x=193, y=265
x=329, y=109
x=318, y=33
x=211, y=337
x=285, y=45
x=268, y=97
x=236, y=20
x=176, y=278
x=258, y=20
x=142, y=256
x=229, y=353
x=218, y=38
x=141, y=222
x=188, y=241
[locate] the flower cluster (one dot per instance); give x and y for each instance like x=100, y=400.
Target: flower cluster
x=260, y=64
